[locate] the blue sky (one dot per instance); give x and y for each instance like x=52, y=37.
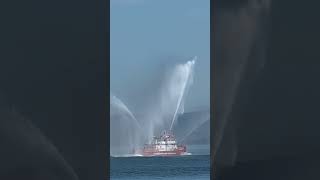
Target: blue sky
x=145, y=34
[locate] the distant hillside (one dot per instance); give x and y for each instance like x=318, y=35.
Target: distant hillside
x=193, y=127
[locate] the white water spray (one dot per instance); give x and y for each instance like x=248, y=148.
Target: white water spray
x=185, y=71
x=162, y=113
x=157, y=116
x=125, y=130
x=117, y=102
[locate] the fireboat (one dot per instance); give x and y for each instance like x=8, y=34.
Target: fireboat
x=165, y=145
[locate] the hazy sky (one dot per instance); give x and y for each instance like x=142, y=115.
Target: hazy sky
x=147, y=34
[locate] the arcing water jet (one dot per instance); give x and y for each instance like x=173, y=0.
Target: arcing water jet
x=186, y=78
x=118, y=103
x=158, y=116
x=125, y=130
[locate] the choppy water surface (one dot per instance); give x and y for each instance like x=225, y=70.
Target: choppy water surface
x=196, y=167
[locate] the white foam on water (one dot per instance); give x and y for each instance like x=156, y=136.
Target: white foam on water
x=128, y=155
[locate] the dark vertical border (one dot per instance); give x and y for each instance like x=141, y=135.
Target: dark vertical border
x=107, y=11
x=212, y=90
x=103, y=39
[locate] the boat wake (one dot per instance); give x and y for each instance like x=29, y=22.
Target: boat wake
x=127, y=155
x=140, y=155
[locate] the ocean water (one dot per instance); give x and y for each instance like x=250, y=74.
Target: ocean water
x=195, y=167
